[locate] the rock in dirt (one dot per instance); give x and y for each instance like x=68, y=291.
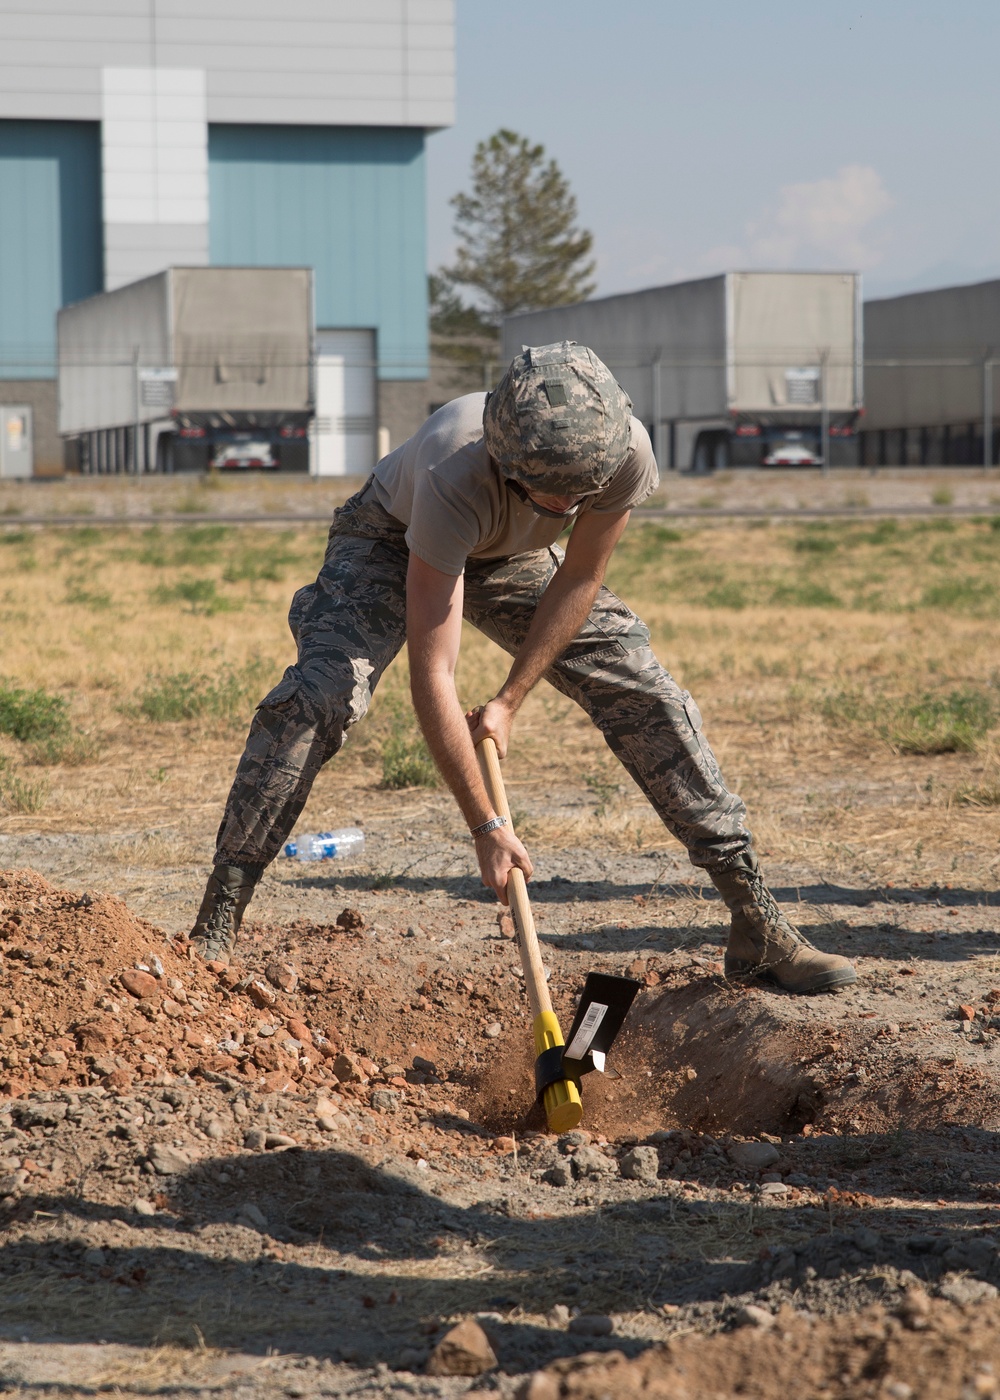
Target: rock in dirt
x=640, y=1164
x=167, y=1160
x=559, y=1175
x=139, y=984
x=252, y=1215
x=590, y=1162
x=282, y=975
x=385, y=1101
x=261, y=995
x=275, y=1140
x=464, y=1351
x=964, y=1291
x=592, y=1325
x=351, y=919
x=254, y=1139
x=347, y=1068
x=540, y=1386
x=493, y=1031
x=754, y=1156
x=143, y=1207
x=753, y=1316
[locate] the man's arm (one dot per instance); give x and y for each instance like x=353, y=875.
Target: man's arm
x=564, y=608
x=433, y=635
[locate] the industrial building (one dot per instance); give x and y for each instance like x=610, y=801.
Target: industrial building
x=931, y=378
x=140, y=135
x=741, y=369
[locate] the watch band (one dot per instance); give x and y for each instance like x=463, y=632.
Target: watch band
x=491, y=825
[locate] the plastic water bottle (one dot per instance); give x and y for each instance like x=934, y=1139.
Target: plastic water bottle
x=327, y=845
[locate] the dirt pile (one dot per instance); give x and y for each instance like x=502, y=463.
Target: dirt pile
x=930, y=1349
x=93, y=995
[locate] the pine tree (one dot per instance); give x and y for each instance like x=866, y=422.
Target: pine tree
x=519, y=248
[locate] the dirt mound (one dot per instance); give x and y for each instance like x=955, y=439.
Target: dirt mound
x=740, y=1060
x=92, y=994
x=931, y=1349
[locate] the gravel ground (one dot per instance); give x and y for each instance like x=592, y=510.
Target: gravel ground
x=260, y=1230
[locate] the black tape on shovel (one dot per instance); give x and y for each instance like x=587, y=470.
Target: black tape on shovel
x=549, y=1069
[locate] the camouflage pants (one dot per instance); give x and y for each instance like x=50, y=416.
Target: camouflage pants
x=351, y=622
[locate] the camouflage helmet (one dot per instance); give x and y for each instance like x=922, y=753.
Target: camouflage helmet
x=558, y=422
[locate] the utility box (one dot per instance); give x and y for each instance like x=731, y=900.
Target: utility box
x=746, y=368
x=195, y=367
x=17, y=454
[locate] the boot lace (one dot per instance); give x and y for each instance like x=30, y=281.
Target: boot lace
x=219, y=924
x=773, y=919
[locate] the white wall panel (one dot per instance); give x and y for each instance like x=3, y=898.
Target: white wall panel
x=154, y=140
x=361, y=63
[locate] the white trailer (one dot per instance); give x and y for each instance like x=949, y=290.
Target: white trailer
x=742, y=369
x=192, y=368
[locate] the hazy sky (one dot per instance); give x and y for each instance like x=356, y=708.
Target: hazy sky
x=719, y=134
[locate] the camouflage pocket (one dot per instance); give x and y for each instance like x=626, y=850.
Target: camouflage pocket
x=285, y=691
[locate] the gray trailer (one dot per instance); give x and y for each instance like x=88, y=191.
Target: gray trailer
x=742, y=369
x=191, y=369
x=931, y=378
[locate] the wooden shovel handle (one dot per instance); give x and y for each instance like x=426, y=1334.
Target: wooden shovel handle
x=517, y=888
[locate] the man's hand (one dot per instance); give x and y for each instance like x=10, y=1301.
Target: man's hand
x=493, y=720
x=498, y=852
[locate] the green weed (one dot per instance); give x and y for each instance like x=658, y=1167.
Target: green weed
x=977, y=596
x=814, y=543
x=406, y=761
x=952, y=722
x=942, y=496
x=15, y=536
x=725, y=595
x=981, y=795
x=77, y=592
x=247, y=569
x=20, y=796
x=227, y=694
x=804, y=595
x=197, y=595
x=82, y=536
x=604, y=790
x=32, y=715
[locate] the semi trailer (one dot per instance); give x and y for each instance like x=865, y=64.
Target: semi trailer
x=192, y=369
x=758, y=369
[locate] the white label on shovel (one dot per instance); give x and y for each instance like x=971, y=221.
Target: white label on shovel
x=580, y=1043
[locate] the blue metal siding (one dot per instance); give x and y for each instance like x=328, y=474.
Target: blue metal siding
x=346, y=201
x=50, y=236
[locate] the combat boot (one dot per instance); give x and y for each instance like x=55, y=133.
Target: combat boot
x=762, y=942
x=227, y=895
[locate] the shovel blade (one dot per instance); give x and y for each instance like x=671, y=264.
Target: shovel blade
x=603, y=1007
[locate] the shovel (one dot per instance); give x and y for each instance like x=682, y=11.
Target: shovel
x=602, y=1009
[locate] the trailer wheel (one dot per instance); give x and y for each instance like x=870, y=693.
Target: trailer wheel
x=720, y=452
x=701, y=457
x=165, y=453
x=711, y=453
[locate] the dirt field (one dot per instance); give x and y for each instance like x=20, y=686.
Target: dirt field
x=295, y=1177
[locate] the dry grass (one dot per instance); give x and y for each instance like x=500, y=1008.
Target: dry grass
x=847, y=675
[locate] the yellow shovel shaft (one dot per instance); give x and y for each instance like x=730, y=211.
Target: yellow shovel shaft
x=563, y=1108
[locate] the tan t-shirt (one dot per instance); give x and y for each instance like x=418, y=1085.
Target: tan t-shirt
x=443, y=486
